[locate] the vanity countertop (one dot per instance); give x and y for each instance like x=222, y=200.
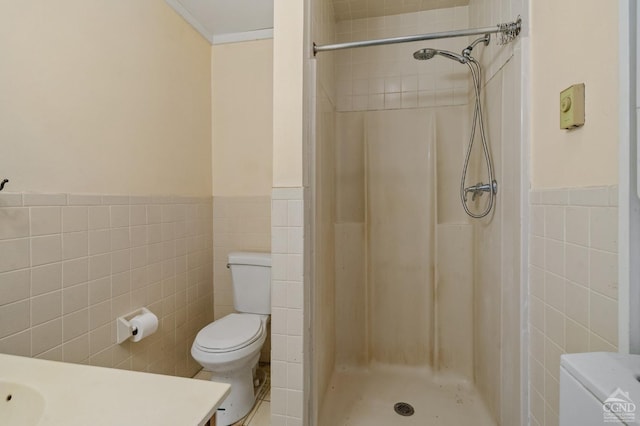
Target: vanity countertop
x=83, y=395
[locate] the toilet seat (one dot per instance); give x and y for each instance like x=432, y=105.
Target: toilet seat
x=230, y=333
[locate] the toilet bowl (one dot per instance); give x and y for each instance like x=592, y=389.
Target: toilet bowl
x=230, y=346
x=230, y=349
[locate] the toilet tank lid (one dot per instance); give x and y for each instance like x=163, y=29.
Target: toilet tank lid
x=249, y=258
x=602, y=372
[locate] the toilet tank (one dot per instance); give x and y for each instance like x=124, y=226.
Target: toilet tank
x=599, y=388
x=251, y=278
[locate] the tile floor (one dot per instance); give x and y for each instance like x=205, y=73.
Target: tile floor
x=260, y=414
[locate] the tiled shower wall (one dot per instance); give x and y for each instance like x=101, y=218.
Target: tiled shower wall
x=487, y=13
x=71, y=264
x=388, y=77
x=239, y=224
x=287, y=301
x=573, y=285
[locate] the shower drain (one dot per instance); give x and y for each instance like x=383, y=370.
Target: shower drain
x=403, y=408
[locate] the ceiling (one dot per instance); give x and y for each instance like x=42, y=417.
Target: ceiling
x=223, y=21
x=357, y=9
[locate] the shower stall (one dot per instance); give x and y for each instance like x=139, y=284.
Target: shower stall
x=415, y=303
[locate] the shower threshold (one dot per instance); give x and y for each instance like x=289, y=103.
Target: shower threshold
x=366, y=397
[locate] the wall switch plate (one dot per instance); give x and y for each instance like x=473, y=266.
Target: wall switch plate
x=572, y=107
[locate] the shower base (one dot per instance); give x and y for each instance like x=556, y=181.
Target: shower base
x=366, y=397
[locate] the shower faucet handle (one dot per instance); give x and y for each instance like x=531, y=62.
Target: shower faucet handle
x=477, y=189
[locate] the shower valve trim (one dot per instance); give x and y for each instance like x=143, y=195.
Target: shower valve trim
x=479, y=188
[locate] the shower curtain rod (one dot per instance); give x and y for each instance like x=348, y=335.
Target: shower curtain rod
x=509, y=31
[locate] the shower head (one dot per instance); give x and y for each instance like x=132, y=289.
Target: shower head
x=424, y=54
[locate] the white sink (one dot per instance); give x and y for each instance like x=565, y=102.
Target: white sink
x=20, y=404
x=41, y=392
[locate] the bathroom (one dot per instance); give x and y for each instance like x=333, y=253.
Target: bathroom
x=139, y=158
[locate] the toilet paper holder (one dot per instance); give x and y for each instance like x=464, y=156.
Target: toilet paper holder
x=124, y=328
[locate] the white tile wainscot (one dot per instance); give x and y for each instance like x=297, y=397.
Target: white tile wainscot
x=71, y=264
x=573, y=285
x=287, y=301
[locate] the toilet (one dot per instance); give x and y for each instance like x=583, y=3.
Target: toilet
x=230, y=346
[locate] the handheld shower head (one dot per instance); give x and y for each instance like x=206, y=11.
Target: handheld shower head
x=424, y=54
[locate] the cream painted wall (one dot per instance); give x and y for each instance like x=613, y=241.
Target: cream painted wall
x=574, y=41
x=109, y=97
x=288, y=58
x=242, y=87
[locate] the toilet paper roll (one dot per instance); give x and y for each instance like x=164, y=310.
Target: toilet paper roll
x=146, y=324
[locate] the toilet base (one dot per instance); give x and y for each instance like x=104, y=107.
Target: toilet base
x=242, y=396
